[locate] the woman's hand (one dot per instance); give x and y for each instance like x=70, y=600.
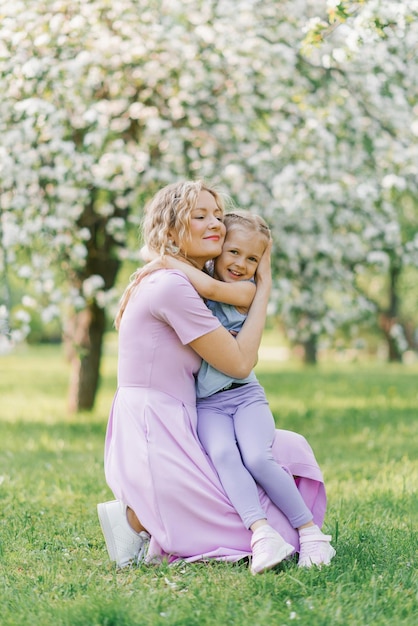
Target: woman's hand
x=263, y=273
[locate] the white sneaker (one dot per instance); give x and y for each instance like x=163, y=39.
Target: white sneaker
x=315, y=549
x=123, y=544
x=269, y=548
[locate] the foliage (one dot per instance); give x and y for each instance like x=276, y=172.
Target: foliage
x=103, y=102
x=361, y=422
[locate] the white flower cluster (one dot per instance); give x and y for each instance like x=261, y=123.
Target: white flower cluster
x=101, y=105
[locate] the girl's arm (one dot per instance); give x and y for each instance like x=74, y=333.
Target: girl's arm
x=238, y=294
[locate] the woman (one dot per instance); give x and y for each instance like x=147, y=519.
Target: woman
x=154, y=462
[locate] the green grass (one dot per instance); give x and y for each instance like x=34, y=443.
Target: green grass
x=360, y=419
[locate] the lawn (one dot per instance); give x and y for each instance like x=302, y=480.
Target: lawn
x=361, y=420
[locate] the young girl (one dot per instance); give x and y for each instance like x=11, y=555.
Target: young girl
x=235, y=424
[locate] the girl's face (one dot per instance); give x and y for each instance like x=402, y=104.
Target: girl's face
x=240, y=256
x=207, y=231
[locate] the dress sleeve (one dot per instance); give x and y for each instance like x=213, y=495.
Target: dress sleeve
x=177, y=303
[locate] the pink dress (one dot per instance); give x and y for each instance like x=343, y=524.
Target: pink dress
x=154, y=461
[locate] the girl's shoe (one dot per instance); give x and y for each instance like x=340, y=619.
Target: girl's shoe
x=269, y=548
x=315, y=549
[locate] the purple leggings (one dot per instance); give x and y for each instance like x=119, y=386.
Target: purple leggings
x=237, y=429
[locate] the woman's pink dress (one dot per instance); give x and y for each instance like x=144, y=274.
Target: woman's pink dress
x=154, y=461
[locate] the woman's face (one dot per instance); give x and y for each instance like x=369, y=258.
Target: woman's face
x=207, y=231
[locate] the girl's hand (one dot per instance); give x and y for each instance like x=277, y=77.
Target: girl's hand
x=156, y=263
x=173, y=263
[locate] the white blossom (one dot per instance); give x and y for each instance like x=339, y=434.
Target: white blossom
x=50, y=313
x=94, y=118
x=92, y=284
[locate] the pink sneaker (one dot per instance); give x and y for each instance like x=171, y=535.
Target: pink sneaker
x=124, y=545
x=269, y=548
x=315, y=549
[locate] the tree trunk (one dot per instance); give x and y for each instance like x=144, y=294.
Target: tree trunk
x=84, y=340
x=311, y=350
x=389, y=317
x=85, y=330
x=386, y=322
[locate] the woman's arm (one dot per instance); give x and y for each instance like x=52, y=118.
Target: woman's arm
x=236, y=356
x=239, y=294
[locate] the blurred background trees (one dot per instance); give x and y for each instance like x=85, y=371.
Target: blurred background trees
x=304, y=111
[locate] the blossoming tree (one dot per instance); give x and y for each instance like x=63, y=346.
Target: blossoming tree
x=103, y=102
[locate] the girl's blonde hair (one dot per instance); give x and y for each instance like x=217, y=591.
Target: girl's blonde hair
x=169, y=210
x=248, y=221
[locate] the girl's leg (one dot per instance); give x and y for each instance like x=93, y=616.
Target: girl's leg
x=254, y=430
x=216, y=433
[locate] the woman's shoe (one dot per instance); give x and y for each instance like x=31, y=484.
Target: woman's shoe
x=124, y=545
